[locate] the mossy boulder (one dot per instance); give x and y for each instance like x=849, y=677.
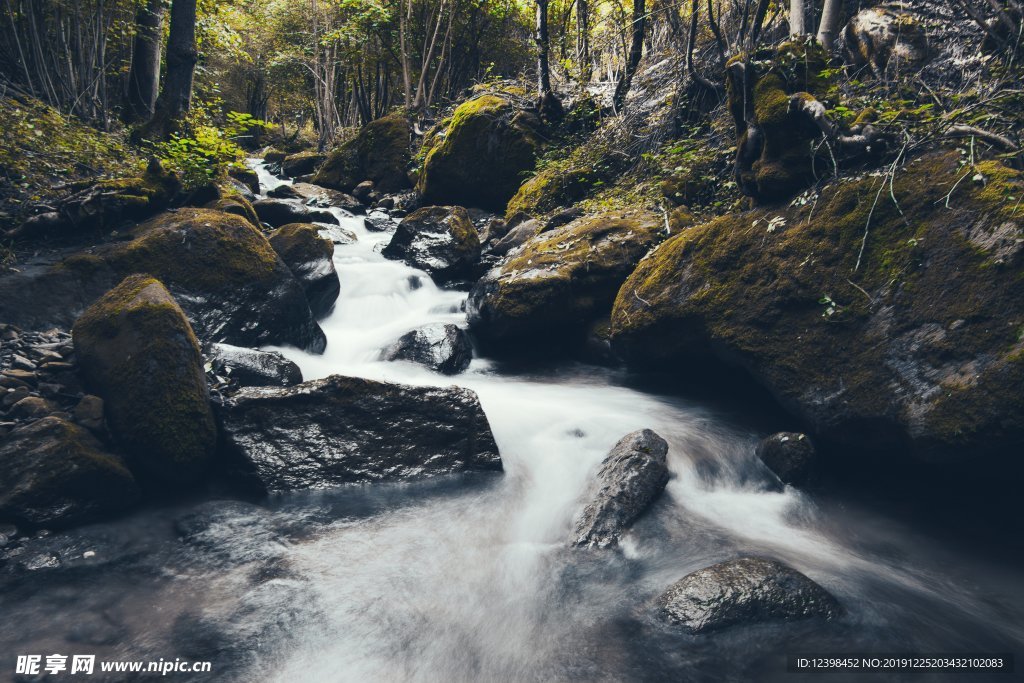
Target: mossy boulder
x=106, y=205
x=302, y=163
x=310, y=257
x=137, y=352
x=238, y=205
x=380, y=152
x=554, y=187
x=885, y=325
x=441, y=240
x=247, y=177
x=547, y=292
x=482, y=155
x=55, y=473
x=221, y=269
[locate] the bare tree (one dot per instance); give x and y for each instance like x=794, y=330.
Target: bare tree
x=831, y=14
x=144, y=76
x=636, y=50
x=583, y=40
x=797, y=11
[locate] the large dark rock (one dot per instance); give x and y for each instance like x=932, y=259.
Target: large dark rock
x=380, y=153
x=886, y=329
x=789, y=455
x=319, y=197
x=138, y=353
x=53, y=472
x=301, y=163
x=441, y=240
x=221, y=270
x=310, y=257
x=479, y=156
x=253, y=368
x=278, y=212
x=445, y=348
x=748, y=590
x=559, y=282
x=340, y=430
x=632, y=475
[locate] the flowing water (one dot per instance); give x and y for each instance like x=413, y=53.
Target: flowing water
x=471, y=579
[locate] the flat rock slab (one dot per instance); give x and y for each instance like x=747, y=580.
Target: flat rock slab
x=744, y=591
x=342, y=430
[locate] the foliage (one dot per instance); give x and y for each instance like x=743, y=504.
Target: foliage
x=206, y=150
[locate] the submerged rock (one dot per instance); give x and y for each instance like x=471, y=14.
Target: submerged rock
x=444, y=348
x=55, y=473
x=789, y=455
x=341, y=430
x=310, y=257
x=278, y=212
x=632, y=475
x=480, y=156
x=441, y=240
x=220, y=269
x=903, y=340
x=138, y=353
x=744, y=591
x=254, y=368
x=560, y=281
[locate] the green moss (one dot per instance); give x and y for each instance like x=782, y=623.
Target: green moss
x=924, y=305
x=138, y=352
x=196, y=249
x=298, y=243
x=482, y=156
x=380, y=152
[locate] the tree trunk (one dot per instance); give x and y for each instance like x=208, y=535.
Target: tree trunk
x=829, y=26
x=797, y=27
x=636, y=51
x=144, y=76
x=583, y=40
x=543, y=70
x=182, y=56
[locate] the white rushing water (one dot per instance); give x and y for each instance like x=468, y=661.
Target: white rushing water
x=478, y=585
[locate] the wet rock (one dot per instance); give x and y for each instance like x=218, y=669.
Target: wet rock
x=444, y=348
x=89, y=412
x=254, y=368
x=340, y=430
x=441, y=240
x=548, y=291
x=53, y=472
x=378, y=221
x=480, y=158
x=516, y=237
x=237, y=205
x=632, y=475
x=363, y=190
x=310, y=257
x=789, y=455
x=278, y=212
x=302, y=163
x=403, y=203
x=337, y=234
x=319, y=197
x=33, y=408
x=138, y=353
x=221, y=270
x=247, y=177
x=744, y=591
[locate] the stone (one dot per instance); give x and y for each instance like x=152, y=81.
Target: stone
x=381, y=153
x=302, y=163
x=254, y=368
x=631, y=476
x=310, y=257
x=33, y=408
x=441, y=347
x=55, y=473
x=789, y=455
x=89, y=412
x=138, y=353
x=441, y=240
x=744, y=591
x=278, y=212
x=340, y=430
